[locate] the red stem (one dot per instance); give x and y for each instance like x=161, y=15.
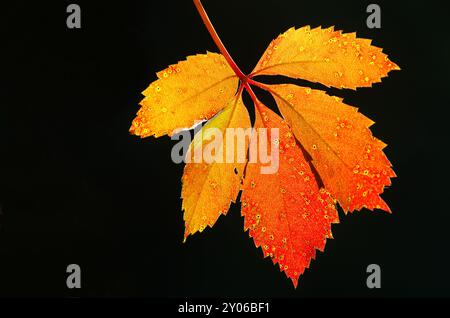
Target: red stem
x=245, y=79
x=218, y=41
x=258, y=84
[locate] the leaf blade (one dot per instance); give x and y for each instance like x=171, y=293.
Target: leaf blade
x=295, y=220
x=325, y=56
x=209, y=188
x=350, y=161
x=184, y=93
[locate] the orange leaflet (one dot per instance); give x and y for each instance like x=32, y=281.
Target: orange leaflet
x=187, y=92
x=348, y=158
x=295, y=219
x=325, y=56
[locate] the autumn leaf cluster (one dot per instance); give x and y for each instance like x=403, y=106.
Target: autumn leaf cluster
x=328, y=155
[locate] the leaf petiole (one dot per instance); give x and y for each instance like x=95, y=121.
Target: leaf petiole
x=218, y=41
x=245, y=79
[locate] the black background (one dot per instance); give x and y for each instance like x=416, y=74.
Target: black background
x=76, y=187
